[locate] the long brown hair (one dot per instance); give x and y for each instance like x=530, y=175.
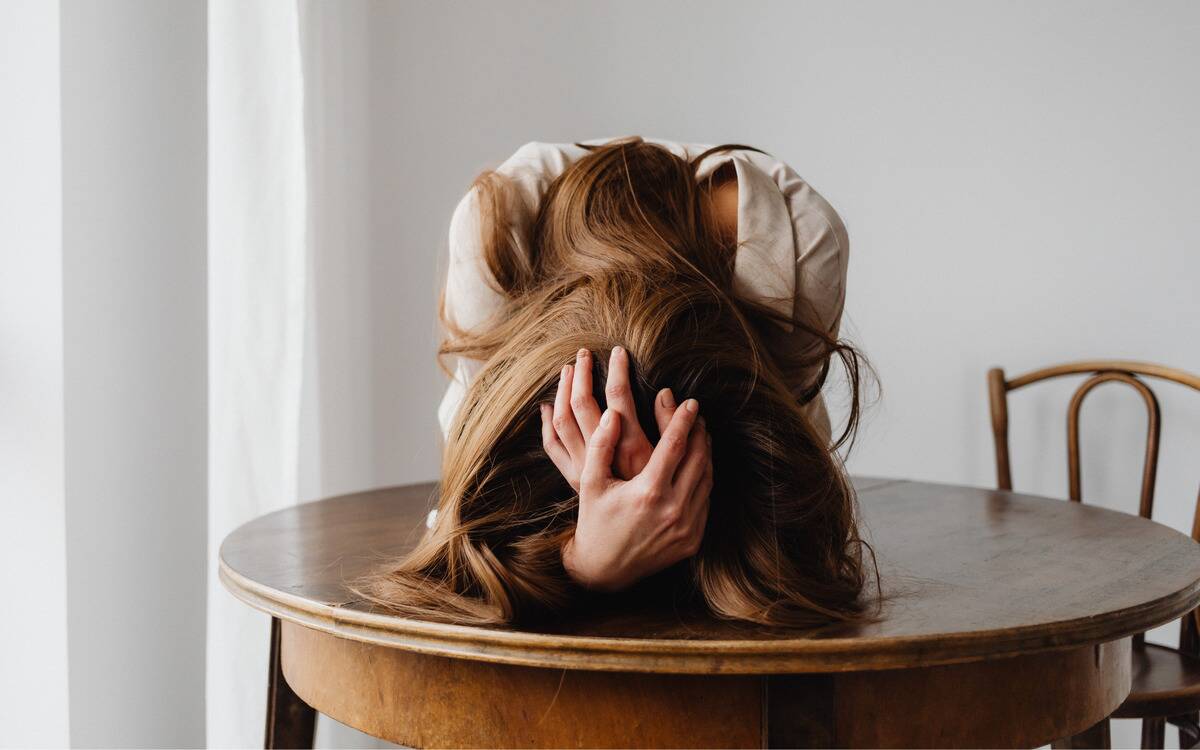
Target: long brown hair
x=624, y=251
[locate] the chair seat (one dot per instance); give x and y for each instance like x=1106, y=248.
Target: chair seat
x=1165, y=683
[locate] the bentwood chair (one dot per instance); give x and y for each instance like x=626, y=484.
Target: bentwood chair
x=1166, y=681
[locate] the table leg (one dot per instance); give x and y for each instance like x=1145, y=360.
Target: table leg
x=1189, y=729
x=1095, y=736
x=291, y=723
x=1154, y=732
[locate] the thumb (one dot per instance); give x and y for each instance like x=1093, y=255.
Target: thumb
x=597, y=464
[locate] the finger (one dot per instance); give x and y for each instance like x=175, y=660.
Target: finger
x=583, y=403
x=696, y=515
x=672, y=445
x=597, y=467
x=664, y=407
x=620, y=395
x=695, y=462
x=700, y=496
x=554, y=448
x=564, y=419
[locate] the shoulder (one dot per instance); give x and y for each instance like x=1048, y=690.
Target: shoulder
x=809, y=208
x=723, y=199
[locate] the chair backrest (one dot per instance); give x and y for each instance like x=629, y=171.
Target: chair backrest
x=1101, y=371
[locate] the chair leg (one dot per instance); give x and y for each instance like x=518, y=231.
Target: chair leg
x=1095, y=736
x=1189, y=729
x=1154, y=733
x=291, y=723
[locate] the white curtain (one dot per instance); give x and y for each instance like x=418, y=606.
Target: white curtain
x=291, y=400
x=258, y=276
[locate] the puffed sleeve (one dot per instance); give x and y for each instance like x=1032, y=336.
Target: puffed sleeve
x=471, y=296
x=821, y=251
x=821, y=243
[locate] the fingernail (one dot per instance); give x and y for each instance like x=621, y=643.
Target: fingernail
x=617, y=351
x=668, y=398
x=566, y=371
x=691, y=405
x=581, y=354
x=606, y=417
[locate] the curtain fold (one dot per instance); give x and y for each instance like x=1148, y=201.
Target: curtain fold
x=258, y=260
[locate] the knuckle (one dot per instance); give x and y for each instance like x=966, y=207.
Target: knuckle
x=597, y=446
x=651, y=494
x=560, y=422
x=672, y=443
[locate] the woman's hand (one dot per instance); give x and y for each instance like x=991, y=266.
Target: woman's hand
x=567, y=427
x=627, y=530
x=641, y=507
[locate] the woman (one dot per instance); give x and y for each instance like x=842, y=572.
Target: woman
x=636, y=276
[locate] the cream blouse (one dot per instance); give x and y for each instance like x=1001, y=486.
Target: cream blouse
x=792, y=247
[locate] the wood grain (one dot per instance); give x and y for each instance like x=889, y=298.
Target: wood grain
x=1101, y=365
x=1166, y=681
x=421, y=700
x=968, y=574
x=290, y=721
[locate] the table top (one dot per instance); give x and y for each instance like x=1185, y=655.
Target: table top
x=967, y=574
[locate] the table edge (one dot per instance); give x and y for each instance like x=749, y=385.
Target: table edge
x=776, y=656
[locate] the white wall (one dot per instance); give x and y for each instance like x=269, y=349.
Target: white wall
x=33, y=559
x=134, y=228
x=1018, y=180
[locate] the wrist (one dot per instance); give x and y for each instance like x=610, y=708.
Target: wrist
x=578, y=573
x=570, y=565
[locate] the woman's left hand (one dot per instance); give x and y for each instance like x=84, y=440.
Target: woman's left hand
x=567, y=426
x=628, y=530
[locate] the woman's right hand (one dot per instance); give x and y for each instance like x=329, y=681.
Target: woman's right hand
x=629, y=529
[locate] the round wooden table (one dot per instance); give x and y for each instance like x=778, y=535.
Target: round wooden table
x=1006, y=622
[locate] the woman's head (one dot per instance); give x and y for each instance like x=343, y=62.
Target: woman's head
x=624, y=252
